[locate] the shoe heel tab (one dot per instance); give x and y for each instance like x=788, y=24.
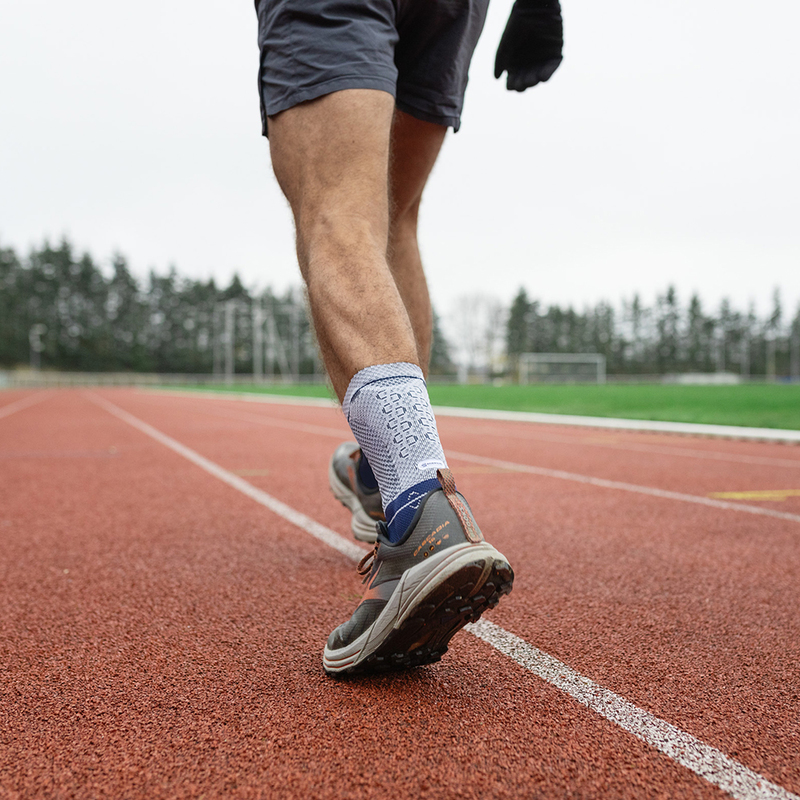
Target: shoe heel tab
x=448, y=484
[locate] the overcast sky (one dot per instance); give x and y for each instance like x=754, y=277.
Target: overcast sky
x=664, y=150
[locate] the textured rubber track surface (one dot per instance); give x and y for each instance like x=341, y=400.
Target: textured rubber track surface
x=161, y=633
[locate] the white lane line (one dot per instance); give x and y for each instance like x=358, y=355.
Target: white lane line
x=688, y=751
x=341, y=434
x=531, y=470
x=309, y=525
x=583, y=441
x=24, y=402
x=541, y=471
x=665, y=494
x=709, y=455
x=700, y=758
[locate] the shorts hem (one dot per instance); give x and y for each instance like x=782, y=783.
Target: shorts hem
x=447, y=120
x=303, y=95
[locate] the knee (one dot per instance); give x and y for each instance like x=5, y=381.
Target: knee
x=339, y=235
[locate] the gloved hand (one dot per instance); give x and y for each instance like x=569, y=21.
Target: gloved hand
x=530, y=49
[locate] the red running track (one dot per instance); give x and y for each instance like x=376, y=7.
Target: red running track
x=161, y=632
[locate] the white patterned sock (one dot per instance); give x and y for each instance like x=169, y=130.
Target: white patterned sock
x=389, y=412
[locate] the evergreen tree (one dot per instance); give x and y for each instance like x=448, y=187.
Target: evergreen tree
x=517, y=333
x=441, y=361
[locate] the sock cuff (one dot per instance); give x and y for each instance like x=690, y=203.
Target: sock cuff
x=378, y=372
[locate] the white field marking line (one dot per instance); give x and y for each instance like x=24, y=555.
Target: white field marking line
x=688, y=751
x=710, y=455
x=511, y=466
x=705, y=761
x=325, y=535
x=614, y=423
x=25, y=402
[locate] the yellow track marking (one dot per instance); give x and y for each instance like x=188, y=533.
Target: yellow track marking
x=481, y=470
x=775, y=495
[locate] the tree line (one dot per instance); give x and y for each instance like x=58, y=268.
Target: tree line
x=60, y=310
x=666, y=337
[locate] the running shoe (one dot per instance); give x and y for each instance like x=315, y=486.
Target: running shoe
x=422, y=590
x=347, y=487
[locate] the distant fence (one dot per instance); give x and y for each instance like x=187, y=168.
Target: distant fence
x=31, y=379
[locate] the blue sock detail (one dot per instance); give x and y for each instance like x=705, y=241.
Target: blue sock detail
x=401, y=510
x=365, y=474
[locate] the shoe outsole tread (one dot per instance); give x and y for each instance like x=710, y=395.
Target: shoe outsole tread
x=423, y=637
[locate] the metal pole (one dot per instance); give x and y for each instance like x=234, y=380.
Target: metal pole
x=295, y=341
x=230, y=319
x=771, y=358
x=746, y=356
x=35, y=340
x=277, y=344
x=258, y=341
x=216, y=343
x=269, y=353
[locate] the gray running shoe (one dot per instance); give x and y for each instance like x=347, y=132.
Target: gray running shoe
x=422, y=590
x=346, y=486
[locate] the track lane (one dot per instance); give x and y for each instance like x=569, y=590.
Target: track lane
x=695, y=633
x=666, y=471
x=162, y=641
x=698, y=466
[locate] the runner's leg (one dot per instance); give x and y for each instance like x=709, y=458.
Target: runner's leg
x=414, y=148
x=331, y=158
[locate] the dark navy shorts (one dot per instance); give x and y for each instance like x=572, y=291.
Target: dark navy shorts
x=417, y=50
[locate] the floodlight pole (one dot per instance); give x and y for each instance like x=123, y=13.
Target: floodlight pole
x=230, y=319
x=771, y=351
x=35, y=340
x=216, y=324
x=276, y=346
x=295, y=333
x=745, y=364
x=258, y=341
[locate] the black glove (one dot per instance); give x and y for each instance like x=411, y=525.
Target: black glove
x=531, y=45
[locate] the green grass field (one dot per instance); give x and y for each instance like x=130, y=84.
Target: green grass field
x=755, y=405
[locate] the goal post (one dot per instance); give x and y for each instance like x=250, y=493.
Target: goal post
x=562, y=368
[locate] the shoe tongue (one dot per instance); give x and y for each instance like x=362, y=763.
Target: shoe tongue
x=383, y=532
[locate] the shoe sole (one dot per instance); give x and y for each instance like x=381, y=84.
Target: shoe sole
x=361, y=524
x=432, y=602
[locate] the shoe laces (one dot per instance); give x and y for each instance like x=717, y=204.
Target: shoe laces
x=365, y=565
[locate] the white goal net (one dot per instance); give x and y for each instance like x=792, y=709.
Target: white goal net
x=562, y=368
